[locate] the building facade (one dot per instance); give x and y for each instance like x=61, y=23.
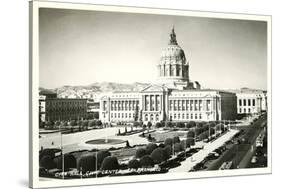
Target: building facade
x=52, y=108
x=173, y=98
x=251, y=101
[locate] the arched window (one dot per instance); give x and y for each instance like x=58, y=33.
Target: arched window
x=151, y=117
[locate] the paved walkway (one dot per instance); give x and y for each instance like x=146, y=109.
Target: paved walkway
x=199, y=156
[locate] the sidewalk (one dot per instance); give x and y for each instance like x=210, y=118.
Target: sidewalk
x=199, y=156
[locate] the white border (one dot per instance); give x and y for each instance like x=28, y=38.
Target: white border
x=34, y=86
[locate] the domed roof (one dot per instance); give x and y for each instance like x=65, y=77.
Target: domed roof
x=173, y=53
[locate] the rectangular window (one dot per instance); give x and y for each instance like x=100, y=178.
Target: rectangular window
x=244, y=102
x=195, y=116
x=208, y=105
x=191, y=116
x=191, y=105
x=175, y=105
x=187, y=116
x=249, y=102
x=183, y=105
x=254, y=102
x=179, y=103
x=200, y=116
x=200, y=105
x=171, y=105
x=175, y=116
x=240, y=102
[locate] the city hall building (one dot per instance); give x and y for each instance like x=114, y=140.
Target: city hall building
x=174, y=98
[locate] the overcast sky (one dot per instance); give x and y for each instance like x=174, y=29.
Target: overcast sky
x=82, y=47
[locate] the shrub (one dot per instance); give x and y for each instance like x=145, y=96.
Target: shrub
x=134, y=164
x=87, y=163
x=161, y=145
x=150, y=147
x=101, y=155
x=47, y=162
x=110, y=163
x=68, y=159
x=168, y=141
x=140, y=152
x=159, y=155
x=176, y=139
x=146, y=161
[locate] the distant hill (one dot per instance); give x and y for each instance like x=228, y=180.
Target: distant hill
x=89, y=91
x=97, y=87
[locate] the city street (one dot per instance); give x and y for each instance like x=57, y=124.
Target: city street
x=240, y=153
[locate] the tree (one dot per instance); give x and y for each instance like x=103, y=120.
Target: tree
x=168, y=124
x=146, y=161
x=190, y=141
x=178, y=147
x=184, y=144
x=47, y=162
x=149, y=124
x=150, y=147
x=144, y=126
x=101, y=155
x=73, y=123
x=110, y=163
x=176, y=139
x=68, y=159
x=180, y=124
x=158, y=125
x=159, y=155
x=48, y=152
x=90, y=116
x=99, y=123
x=57, y=123
x=190, y=134
x=168, y=141
x=168, y=151
x=92, y=123
x=134, y=164
x=87, y=163
x=140, y=152
x=96, y=115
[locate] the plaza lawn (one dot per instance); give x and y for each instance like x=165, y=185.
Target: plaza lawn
x=160, y=136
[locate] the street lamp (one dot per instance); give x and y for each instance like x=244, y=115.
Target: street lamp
x=62, y=156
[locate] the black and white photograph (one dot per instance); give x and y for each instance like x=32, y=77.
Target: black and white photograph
x=127, y=94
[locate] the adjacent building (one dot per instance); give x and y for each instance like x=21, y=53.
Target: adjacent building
x=251, y=101
x=52, y=108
